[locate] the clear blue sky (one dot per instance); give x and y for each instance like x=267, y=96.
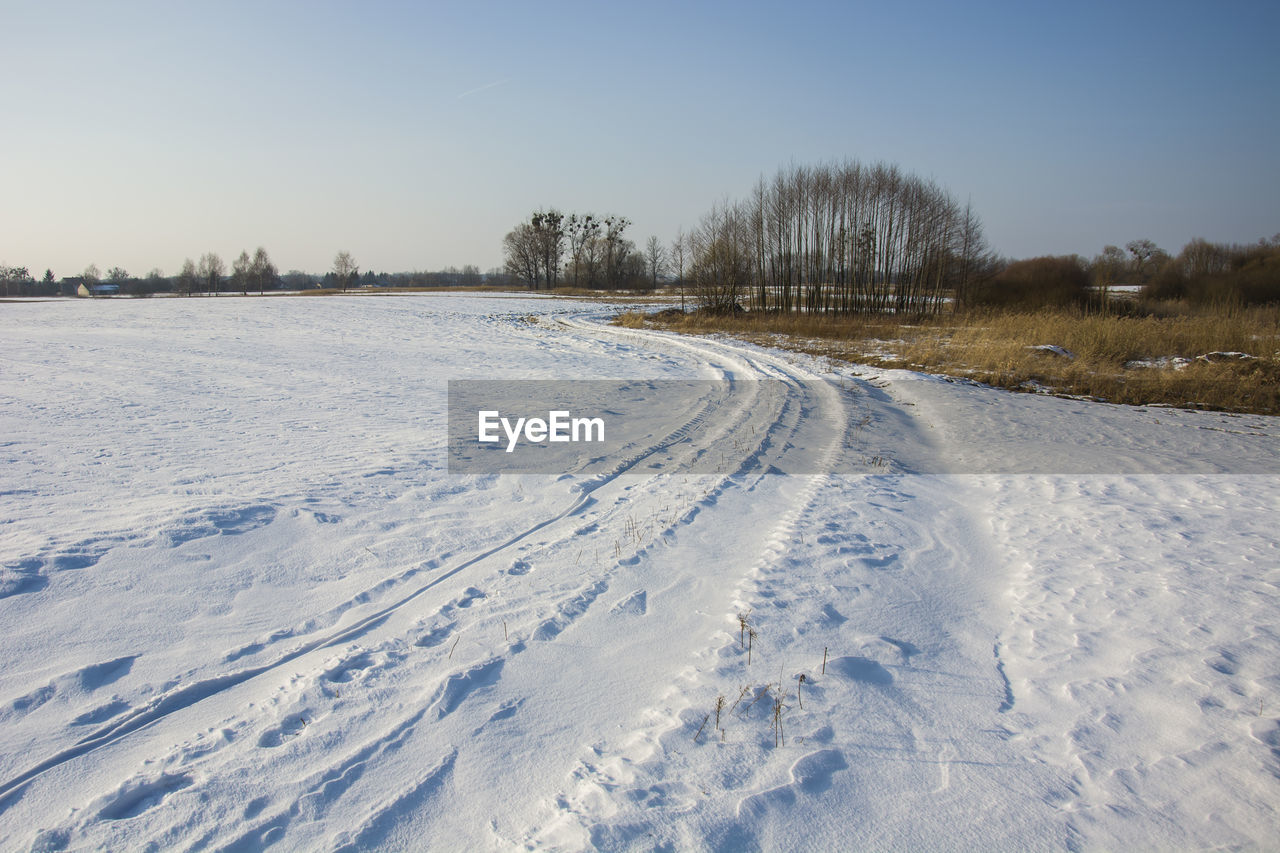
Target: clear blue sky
x=416, y=134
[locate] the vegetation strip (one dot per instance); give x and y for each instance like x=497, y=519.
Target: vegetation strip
x=1224, y=361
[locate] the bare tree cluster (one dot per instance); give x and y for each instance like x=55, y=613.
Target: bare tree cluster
x=583, y=250
x=253, y=273
x=247, y=273
x=534, y=250
x=210, y=273
x=1206, y=273
x=723, y=261
x=842, y=239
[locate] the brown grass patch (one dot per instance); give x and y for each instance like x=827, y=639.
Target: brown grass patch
x=998, y=349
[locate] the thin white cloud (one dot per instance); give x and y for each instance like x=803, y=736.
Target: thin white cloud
x=482, y=88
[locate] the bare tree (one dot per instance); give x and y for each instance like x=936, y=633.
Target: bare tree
x=1148, y=258
x=677, y=255
x=655, y=258
x=187, y=278
x=1201, y=258
x=262, y=272
x=592, y=252
x=1107, y=270
x=345, y=270
x=534, y=250
x=616, y=250
x=975, y=262
x=548, y=228
x=210, y=272
x=523, y=260
x=583, y=233
x=240, y=270
x=723, y=259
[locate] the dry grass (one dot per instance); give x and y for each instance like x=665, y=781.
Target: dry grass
x=998, y=349
x=632, y=320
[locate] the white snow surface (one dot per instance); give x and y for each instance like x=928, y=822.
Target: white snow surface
x=244, y=605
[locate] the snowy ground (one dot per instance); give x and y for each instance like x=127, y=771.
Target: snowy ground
x=244, y=605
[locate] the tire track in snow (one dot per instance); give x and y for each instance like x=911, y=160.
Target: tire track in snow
x=576, y=815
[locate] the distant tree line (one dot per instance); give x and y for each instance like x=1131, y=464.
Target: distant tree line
x=855, y=239
x=1203, y=274
x=17, y=281
x=580, y=250
x=254, y=273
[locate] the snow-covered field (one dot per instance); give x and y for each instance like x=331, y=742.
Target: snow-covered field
x=243, y=603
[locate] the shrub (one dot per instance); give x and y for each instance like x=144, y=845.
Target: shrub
x=1037, y=283
x=1210, y=274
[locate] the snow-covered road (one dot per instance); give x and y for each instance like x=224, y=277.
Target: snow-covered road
x=244, y=604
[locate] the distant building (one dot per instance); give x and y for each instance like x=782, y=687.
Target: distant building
x=90, y=289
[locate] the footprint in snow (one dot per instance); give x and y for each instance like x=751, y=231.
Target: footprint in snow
x=908, y=650
x=832, y=615
x=1225, y=664
x=460, y=685
x=434, y=637
x=860, y=669
x=810, y=775
x=290, y=727
x=349, y=670
x=138, y=795
x=634, y=604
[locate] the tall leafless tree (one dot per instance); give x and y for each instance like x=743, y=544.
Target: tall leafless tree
x=616, y=250
x=345, y=269
x=548, y=228
x=655, y=258
x=679, y=245
x=187, y=278
x=523, y=260
x=240, y=270
x=210, y=273
x=262, y=272
x=582, y=233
